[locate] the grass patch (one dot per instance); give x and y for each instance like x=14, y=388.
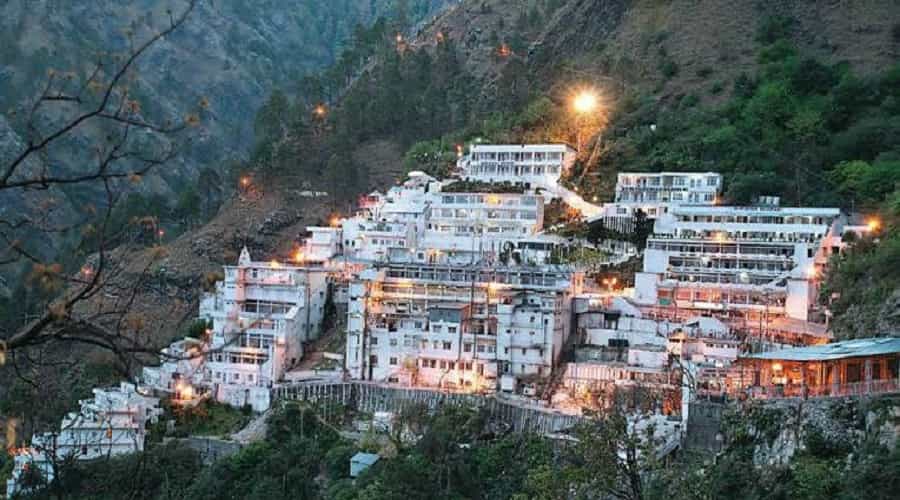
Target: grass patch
x=209, y=419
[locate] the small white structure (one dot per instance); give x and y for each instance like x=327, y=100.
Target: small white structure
x=112, y=423
x=362, y=461
x=534, y=165
x=322, y=245
x=181, y=367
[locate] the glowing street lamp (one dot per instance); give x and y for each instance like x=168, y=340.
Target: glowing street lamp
x=873, y=225
x=585, y=102
x=320, y=111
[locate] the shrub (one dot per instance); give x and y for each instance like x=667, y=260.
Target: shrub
x=669, y=68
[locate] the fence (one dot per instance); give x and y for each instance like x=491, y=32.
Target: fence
x=371, y=397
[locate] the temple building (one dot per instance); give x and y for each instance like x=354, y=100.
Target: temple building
x=851, y=367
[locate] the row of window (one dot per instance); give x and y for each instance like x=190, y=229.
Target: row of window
x=657, y=180
x=233, y=378
x=650, y=196
x=477, y=199
x=478, y=214
x=756, y=219
x=239, y=358
x=518, y=156
x=493, y=168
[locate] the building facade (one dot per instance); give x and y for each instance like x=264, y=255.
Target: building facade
x=262, y=313
x=112, y=423
x=654, y=194
x=757, y=263
x=530, y=164
x=457, y=327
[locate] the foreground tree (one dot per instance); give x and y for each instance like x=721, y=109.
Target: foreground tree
x=90, y=304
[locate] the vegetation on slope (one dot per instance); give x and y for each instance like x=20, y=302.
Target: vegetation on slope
x=459, y=454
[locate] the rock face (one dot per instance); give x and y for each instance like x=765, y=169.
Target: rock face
x=780, y=429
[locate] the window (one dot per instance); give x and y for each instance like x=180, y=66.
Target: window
x=524, y=351
x=451, y=329
x=467, y=347
x=392, y=361
x=250, y=377
x=448, y=346
x=393, y=342
x=374, y=340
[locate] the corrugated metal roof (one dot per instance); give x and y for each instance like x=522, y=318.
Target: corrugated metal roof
x=838, y=350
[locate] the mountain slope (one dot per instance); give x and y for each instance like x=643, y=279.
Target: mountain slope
x=620, y=46
x=229, y=55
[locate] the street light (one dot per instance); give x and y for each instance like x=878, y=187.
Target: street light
x=585, y=101
x=873, y=224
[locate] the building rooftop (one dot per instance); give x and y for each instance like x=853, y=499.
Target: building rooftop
x=839, y=350
x=531, y=147
x=365, y=458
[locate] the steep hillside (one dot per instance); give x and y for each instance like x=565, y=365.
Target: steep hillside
x=229, y=56
x=487, y=60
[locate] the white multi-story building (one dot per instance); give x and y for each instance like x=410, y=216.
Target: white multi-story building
x=655, y=193
x=482, y=222
x=457, y=326
x=432, y=224
x=261, y=313
x=112, y=423
x=680, y=188
x=534, y=165
x=756, y=262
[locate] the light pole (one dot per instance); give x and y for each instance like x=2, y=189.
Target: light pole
x=584, y=103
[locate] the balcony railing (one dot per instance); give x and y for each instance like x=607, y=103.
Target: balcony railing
x=864, y=388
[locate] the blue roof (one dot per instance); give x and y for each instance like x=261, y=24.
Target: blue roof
x=875, y=346
x=365, y=458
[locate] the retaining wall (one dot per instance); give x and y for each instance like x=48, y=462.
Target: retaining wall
x=370, y=398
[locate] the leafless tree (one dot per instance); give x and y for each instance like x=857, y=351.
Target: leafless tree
x=93, y=305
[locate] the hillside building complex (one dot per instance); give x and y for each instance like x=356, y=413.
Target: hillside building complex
x=431, y=223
